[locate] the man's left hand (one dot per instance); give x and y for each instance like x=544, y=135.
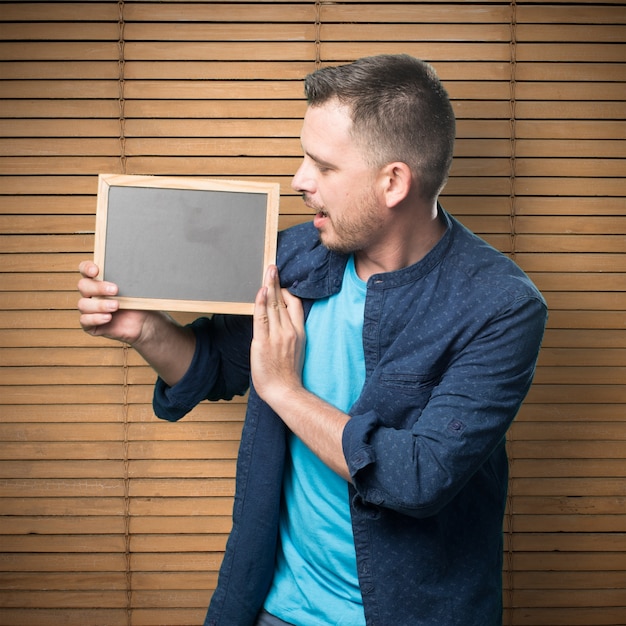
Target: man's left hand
x=277, y=351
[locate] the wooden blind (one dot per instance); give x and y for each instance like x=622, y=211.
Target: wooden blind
x=567, y=519
x=110, y=516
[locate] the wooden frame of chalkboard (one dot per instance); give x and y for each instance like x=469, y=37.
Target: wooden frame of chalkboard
x=185, y=244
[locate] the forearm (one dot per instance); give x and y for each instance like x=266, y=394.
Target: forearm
x=318, y=424
x=166, y=346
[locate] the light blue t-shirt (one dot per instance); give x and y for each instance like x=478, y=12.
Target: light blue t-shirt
x=315, y=581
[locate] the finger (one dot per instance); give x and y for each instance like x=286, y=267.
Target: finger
x=97, y=305
x=260, y=320
x=89, y=288
x=94, y=324
x=274, y=300
x=88, y=269
x=95, y=312
x=272, y=282
x=294, y=308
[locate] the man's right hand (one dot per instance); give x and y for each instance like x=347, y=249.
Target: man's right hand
x=100, y=312
x=162, y=342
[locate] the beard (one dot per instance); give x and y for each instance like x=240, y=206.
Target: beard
x=356, y=228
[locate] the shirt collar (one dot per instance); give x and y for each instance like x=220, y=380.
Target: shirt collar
x=317, y=272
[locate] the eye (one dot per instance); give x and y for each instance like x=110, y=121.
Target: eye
x=321, y=168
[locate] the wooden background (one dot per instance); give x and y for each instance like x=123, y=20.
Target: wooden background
x=110, y=516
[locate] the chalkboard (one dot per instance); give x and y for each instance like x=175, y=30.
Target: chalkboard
x=185, y=244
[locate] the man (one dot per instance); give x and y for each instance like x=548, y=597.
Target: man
x=372, y=472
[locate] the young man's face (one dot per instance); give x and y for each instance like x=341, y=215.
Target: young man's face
x=336, y=182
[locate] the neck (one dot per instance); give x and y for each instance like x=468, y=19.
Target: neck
x=406, y=241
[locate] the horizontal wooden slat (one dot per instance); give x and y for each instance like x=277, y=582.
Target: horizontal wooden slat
x=433, y=13
x=72, y=31
x=345, y=51
x=176, y=488
x=12, y=488
x=568, y=467
x=76, y=109
x=570, y=14
x=570, y=243
x=567, y=52
x=83, y=357
x=146, y=11
x=93, y=616
x=51, y=12
x=61, y=543
x=420, y=31
x=174, y=525
x=86, y=525
x=573, y=262
x=612, y=301
x=582, y=33
x=200, y=504
x=571, y=91
x=588, y=357
x=206, y=542
x=566, y=412
x=571, y=110
x=570, y=129
x=570, y=167
x=579, y=281
x=43, y=51
x=60, y=469
x=183, y=449
x=582, y=72
x=597, y=338
x=59, y=581
x=558, y=431
x=593, y=449
x=150, y=431
x=571, y=148
x=571, y=225
x=569, y=580
x=557, y=394
x=569, y=561
x=68, y=506
x=567, y=542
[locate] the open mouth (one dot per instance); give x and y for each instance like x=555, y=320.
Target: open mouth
x=320, y=219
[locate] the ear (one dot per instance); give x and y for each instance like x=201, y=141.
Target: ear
x=397, y=180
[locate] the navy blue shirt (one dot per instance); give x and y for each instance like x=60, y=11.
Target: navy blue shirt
x=450, y=348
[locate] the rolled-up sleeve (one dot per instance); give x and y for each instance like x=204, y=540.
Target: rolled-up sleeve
x=416, y=464
x=220, y=368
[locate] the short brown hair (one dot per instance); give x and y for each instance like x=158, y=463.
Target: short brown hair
x=400, y=112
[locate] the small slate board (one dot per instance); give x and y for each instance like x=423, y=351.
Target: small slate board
x=184, y=244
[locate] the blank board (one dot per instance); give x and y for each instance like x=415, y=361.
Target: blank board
x=183, y=244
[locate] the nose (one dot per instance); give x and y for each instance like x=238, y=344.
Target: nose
x=302, y=180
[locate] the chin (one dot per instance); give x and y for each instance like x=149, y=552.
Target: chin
x=338, y=247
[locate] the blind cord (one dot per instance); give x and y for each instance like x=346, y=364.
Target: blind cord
x=318, y=34
x=512, y=124
x=125, y=348
x=121, y=69
x=510, y=512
